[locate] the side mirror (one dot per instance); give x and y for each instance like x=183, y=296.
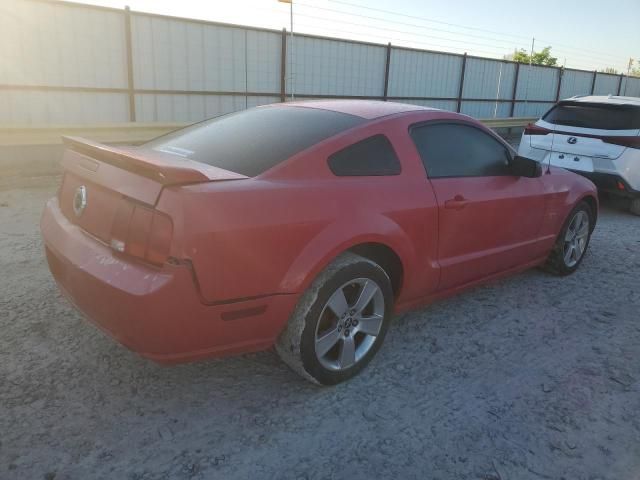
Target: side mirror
x=525, y=167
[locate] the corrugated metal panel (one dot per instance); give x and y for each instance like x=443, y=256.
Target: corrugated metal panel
x=262, y=100
x=575, y=83
x=331, y=67
x=606, y=84
x=264, y=50
x=49, y=44
x=176, y=55
x=420, y=74
x=486, y=109
x=630, y=87
x=186, y=108
x=449, y=105
x=531, y=109
x=537, y=83
x=33, y=107
x=488, y=79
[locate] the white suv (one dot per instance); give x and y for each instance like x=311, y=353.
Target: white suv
x=595, y=136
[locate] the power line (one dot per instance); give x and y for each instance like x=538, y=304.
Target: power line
x=422, y=35
x=428, y=19
x=594, y=54
x=430, y=45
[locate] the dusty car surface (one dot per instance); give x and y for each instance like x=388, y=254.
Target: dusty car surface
x=301, y=225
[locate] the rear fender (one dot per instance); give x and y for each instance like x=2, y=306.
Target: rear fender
x=339, y=237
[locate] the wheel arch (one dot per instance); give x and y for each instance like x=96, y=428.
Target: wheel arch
x=387, y=258
x=592, y=202
x=388, y=246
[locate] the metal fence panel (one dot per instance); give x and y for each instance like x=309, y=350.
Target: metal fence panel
x=334, y=67
x=537, y=83
x=264, y=50
x=440, y=104
x=575, y=82
x=65, y=107
x=630, y=87
x=53, y=44
x=486, y=109
x=606, y=84
x=528, y=109
x=423, y=74
x=171, y=54
x=193, y=108
x=488, y=79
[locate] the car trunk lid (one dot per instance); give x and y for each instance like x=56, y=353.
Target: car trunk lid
x=106, y=176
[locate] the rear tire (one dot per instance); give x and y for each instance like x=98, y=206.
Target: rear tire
x=340, y=322
x=634, y=206
x=572, y=242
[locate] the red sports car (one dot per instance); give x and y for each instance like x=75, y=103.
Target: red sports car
x=301, y=225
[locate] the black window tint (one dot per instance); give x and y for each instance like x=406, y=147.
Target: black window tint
x=373, y=156
x=593, y=115
x=456, y=150
x=252, y=141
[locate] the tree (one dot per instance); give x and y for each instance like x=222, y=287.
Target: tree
x=542, y=57
x=610, y=70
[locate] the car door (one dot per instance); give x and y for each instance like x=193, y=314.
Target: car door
x=488, y=218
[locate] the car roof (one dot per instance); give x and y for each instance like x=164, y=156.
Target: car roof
x=604, y=99
x=367, y=109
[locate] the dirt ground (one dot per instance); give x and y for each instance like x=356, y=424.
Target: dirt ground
x=532, y=377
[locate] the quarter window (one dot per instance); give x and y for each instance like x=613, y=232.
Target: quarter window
x=373, y=156
x=458, y=150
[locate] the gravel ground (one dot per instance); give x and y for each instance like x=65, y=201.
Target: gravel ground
x=531, y=377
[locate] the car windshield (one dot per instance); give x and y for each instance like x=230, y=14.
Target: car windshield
x=594, y=115
x=253, y=141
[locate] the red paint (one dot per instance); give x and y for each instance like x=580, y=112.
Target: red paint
x=242, y=251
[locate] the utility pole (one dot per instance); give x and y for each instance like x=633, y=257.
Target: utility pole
x=291, y=86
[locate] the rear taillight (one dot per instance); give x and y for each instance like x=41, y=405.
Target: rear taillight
x=532, y=129
x=141, y=232
x=631, y=142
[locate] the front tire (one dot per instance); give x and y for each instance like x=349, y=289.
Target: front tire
x=572, y=242
x=634, y=206
x=340, y=321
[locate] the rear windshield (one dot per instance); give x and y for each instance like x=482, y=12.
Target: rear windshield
x=252, y=141
x=593, y=115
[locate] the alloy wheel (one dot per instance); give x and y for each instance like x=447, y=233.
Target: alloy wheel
x=575, y=239
x=349, y=324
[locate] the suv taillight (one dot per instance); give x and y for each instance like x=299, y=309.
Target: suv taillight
x=141, y=232
x=532, y=129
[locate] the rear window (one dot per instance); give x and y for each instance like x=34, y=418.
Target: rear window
x=593, y=115
x=252, y=141
x=371, y=157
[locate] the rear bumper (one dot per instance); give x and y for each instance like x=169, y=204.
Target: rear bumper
x=155, y=312
x=610, y=183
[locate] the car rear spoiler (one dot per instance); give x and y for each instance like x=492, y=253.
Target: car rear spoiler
x=162, y=167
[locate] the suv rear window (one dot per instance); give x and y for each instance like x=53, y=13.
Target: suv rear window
x=252, y=141
x=594, y=115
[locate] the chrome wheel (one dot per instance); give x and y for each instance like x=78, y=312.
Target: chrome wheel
x=349, y=323
x=575, y=239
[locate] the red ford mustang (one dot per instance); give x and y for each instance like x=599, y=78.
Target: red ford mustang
x=301, y=225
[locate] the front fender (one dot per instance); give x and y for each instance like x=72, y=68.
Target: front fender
x=342, y=235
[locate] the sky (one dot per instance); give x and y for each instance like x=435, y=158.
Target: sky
x=583, y=34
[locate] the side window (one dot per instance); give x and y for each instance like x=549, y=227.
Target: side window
x=458, y=150
x=372, y=156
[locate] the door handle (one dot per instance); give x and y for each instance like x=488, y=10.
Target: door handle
x=456, y=203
